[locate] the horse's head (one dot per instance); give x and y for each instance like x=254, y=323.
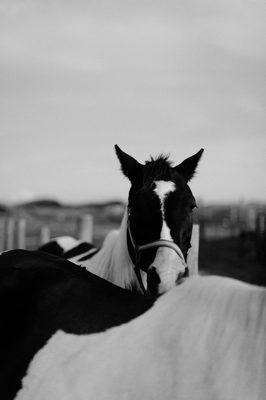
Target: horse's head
x=160, y=208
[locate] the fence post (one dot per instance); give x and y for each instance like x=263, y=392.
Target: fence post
x=262, y=220
x=2, y=233
x=10, y=230
x=45, y=234
x=21, y=234
x=86, y=228
x=193, y=254
x=261, y=238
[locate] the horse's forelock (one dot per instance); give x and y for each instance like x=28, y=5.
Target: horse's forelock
x=159, y=168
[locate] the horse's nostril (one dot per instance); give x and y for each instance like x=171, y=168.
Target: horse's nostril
x=153, y=275
x=186, y=273
x=153, y=280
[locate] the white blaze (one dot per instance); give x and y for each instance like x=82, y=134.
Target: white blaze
x=163, y=188
x=168, y=265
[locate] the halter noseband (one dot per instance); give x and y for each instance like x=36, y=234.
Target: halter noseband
x=157, y=243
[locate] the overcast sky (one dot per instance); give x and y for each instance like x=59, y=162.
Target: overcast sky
x=169, y=76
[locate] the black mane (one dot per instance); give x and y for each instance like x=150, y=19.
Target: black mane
x=159, y=168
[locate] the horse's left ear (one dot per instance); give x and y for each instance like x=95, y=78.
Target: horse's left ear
x=131, y=168
x=188, y=167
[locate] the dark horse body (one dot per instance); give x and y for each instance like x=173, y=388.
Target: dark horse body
x=41, y=293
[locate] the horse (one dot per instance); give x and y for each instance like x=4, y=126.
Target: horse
x=204, y=340
x=41, y=294
x=149, y=251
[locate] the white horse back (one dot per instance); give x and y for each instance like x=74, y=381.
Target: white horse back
x=203, y=340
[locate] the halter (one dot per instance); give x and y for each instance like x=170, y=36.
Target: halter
x=139, y=248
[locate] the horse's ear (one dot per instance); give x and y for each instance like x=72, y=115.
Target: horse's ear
x=188, y=167
x=130, y=167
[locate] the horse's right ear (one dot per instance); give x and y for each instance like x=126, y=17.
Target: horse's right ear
x=130, y=167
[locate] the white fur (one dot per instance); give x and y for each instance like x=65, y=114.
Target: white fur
x=203, y=340
x=113, y=261
x=162, y=189
x=167, y=263
x=67, y=242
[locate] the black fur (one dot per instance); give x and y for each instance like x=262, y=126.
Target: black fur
x=144, y=205
x=157, y=169
x=41, y=293
x=88, y=256
x=188, y=167
x=52, y=247
x=80, y=249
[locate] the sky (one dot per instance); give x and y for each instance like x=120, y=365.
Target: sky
x=77, y=77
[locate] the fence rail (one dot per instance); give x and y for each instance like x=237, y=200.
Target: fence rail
x=14, y=234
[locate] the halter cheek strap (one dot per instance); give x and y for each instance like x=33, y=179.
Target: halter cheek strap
x=157, y=243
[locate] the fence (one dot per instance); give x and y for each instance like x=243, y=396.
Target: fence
x=14, y=232
x=14, y=235
x=260, y=238
x=193, y=255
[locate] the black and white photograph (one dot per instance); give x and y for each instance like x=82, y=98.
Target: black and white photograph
x=132, y=200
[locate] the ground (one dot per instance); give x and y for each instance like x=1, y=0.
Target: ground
x=231, y=257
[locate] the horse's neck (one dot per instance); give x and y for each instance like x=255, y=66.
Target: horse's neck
x=113, y=262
